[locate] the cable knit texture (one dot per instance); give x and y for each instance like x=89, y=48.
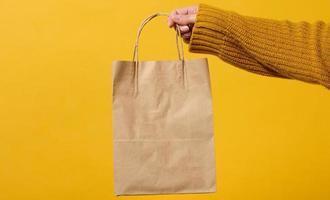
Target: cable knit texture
x=268, y=47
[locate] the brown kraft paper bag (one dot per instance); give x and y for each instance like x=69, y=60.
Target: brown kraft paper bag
x=162, y=125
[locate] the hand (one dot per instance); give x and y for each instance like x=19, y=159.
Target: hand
x=185, y=18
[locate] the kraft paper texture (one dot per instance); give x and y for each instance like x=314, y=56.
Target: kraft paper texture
x=163, y=127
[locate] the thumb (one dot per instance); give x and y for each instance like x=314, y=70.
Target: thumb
x=184, y=19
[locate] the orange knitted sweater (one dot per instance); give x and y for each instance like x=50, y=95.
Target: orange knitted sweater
x=268, y=47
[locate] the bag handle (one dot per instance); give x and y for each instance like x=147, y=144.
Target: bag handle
x=136, y=47
x=145, y=21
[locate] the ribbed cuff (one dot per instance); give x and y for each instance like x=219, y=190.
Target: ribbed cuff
x=209, y=30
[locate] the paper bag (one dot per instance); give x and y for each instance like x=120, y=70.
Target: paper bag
x=163, y=125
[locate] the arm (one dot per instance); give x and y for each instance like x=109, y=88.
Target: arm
x=264, y=46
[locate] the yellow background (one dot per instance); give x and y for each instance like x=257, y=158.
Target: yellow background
x=272, y=135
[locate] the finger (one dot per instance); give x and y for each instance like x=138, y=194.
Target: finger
x=184, y=19
x=181, y=11
x=193, y=10
x=186, y=10
x=186, y=35
x=184, y=29
x=170, y=21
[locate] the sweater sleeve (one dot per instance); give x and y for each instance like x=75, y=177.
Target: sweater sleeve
x=264, y=46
